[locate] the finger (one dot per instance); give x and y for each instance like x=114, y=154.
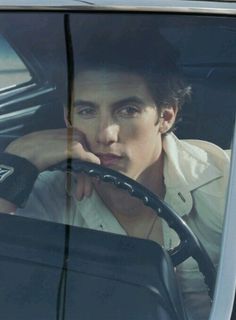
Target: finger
x=79, y=192
x=77, y=146
x=75, y=135
x=84, y=186
x=78, y=152
x=91, y=157
x=88, y=186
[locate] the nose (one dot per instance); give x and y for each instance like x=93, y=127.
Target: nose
x=107, y=133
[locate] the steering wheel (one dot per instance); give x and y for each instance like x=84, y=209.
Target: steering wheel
x=189, y=245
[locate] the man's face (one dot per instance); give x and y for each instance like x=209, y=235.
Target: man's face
x=118, y=116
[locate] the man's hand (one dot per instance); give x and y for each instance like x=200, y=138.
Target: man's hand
x=46, y=148
x=49, y=147
x=84, y=186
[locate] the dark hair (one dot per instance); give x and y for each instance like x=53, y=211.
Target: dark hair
x=131, y=43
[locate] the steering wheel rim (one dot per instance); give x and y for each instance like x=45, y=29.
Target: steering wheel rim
x=189, y=245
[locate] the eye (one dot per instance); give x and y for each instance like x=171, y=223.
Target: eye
x=85, y=111
x=129, y=111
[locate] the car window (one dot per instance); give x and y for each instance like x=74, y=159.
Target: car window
x=13, y=70
x=151, y=96
x=33, y=74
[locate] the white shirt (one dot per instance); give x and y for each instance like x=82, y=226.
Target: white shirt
x=196, y=178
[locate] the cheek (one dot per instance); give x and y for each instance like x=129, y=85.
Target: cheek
x=142, y=148
x=139, y=132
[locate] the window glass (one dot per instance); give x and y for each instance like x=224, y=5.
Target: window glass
x=150, y=96
x=13, y=70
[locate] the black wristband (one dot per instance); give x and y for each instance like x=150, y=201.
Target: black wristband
x=17, y=178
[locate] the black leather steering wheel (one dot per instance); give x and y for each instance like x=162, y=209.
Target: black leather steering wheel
x=189, y=245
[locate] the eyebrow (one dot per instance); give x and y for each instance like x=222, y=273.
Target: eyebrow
x=133, y=99
x=128, y=100
x=84, y=102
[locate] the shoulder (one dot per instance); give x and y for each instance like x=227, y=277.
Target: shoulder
x=195, y=157
x=215, y=155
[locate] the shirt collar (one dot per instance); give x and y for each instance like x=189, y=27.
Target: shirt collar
x=186, y=166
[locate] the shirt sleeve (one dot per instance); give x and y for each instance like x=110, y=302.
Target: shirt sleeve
x=48, y=200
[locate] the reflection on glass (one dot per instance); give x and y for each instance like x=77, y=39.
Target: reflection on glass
x=12, y=70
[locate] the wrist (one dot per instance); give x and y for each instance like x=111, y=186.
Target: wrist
x=17, y=177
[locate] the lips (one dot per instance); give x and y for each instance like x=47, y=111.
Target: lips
x=108, y=159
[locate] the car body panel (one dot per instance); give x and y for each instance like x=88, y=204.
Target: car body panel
x=183, y=6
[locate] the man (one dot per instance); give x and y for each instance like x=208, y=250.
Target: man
x=127, y=92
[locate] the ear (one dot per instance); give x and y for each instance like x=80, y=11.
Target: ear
x=167, y=119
